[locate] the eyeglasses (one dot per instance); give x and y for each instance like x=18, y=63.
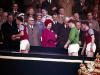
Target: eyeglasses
x=31, y=20
x=89, y=15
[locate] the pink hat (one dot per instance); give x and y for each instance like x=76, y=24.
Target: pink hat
x=47, y=22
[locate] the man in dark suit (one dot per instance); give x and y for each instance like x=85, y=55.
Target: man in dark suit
x=8, y=29
x=56, y=25
x=63, y=33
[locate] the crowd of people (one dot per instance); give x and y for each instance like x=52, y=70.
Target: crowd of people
x=19, y=31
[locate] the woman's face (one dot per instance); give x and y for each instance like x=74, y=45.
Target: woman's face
x=49, y=26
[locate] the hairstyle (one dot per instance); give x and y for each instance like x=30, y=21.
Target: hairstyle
x=47, y=22
x=85, y=22
x=10, y=14
x=19, y=18
x=71, y=21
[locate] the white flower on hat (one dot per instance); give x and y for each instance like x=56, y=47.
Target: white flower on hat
x=21, y=14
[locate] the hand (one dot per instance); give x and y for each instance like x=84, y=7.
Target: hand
x=65, y=46
x=82, y=52
x=17, y=37
x=13, y=37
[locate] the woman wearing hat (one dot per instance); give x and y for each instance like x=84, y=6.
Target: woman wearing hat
x=48, y=36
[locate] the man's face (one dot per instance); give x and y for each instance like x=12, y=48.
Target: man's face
x=15, y=7
x=70, y=24
x=55, y=17
x=66, y=20
x=31, y=11
x=39, y=17
x=89, y=16
x=76, y=16
x=84, y=26
x=61, y=11
x=30, y=21
x=5, y=14
x=10, y=18
x=78, y=25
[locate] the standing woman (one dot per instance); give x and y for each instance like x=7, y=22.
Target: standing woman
x=48, y=36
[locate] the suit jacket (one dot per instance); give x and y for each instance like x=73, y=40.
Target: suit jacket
x=34, y=35
x=8, y=30
x=63, y=36
x=56, y=28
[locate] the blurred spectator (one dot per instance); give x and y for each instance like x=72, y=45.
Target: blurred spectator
x=30, y=12
x=33, y=32
x=93, y=24
x=54, y=10
x=39, y=23
x=15, y=10
x=61, y=15
x=7, y=32
x=89, y=5
x=95, y=12
x=1, y=13
x=45, y=15
x=1, y=37
x=63, y=33
x=4, y=17
x=79, y=6
x=76, y=17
